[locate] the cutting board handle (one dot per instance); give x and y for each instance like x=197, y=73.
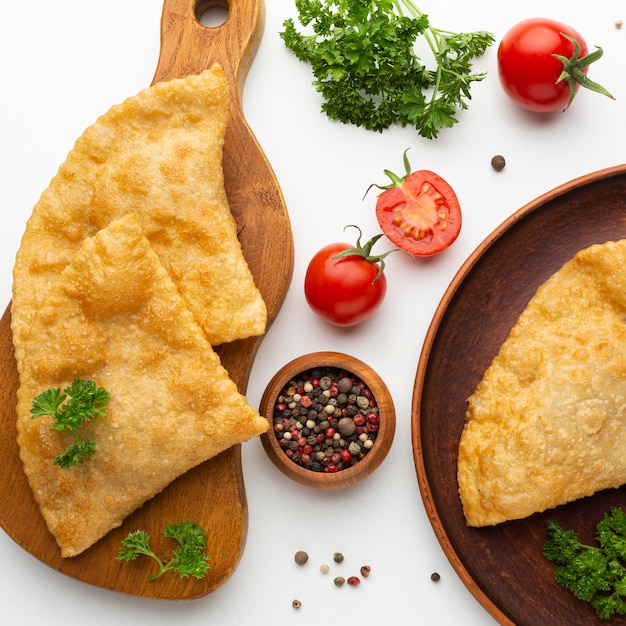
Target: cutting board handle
x=189, y=47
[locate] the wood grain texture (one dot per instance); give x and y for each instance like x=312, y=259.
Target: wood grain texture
x=212, y=494
x=384, y=437
x=503, y=566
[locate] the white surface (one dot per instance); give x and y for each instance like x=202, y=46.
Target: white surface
x=65, y=62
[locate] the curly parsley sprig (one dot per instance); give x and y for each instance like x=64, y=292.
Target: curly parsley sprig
x=594, y=574
x=189, y=559
x=79, y=403
x=365, y=65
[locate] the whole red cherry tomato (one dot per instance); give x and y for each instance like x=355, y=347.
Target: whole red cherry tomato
x=419, y=212
x=345, y=284
x=542, y=63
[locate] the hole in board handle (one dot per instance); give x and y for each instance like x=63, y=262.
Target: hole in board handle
x=212, y=13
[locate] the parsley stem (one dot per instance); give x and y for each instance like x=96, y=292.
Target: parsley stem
x=416, y=13
x=432, y=36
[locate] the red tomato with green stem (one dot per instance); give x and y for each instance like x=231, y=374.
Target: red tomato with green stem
x=542, y=63
x=345, y=284
x=418, y=212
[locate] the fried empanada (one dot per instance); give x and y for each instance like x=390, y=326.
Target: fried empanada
x=547, y=423
x=157, y=155
x=115, y=316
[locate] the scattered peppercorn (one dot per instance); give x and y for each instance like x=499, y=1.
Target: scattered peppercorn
x=326, y=419
x=354, y=581
x=618, y=24
x=301, y=557
x=498, y=162
x=296, y=604
x=338, y=557
x=324, y=568
x=435, y=577
x=339, y=580
x=365, y=571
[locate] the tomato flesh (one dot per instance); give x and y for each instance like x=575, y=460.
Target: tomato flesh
x=343, y=291
x=527, y=70
x=421, y=216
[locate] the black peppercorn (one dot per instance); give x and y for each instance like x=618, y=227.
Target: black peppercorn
x=344, y=384
x=498, y=162
x=301, y=557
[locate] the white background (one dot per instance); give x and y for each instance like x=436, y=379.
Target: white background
x=66, y=62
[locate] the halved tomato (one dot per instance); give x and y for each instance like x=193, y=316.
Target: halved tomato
x=419, y=212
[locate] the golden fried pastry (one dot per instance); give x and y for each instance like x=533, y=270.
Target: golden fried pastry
x=547, y=423
x=157, y=155
x=115, y=316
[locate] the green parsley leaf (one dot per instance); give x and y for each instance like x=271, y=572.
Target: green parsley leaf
x=189, y=559
x=594, y=574
x=76, y=453
x=47, y=403
x=79, y=403
x=365, y=65
x=134, y=544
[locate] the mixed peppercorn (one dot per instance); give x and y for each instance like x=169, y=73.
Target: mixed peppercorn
x=326, y=419
x=301, y=558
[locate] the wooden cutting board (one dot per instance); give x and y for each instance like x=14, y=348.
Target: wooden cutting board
x=213, y=494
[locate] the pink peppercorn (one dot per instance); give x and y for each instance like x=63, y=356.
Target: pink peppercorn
x=373, y=422
x=354, y=581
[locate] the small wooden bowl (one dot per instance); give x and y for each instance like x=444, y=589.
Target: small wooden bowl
x=374, y=456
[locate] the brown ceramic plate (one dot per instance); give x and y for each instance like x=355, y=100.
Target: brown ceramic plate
x=503, y=566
